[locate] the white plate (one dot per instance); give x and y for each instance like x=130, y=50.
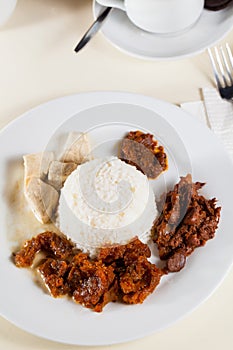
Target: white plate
x=23, y=303
x=210, y=28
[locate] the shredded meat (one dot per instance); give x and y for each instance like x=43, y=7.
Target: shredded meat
x=120, y=273
x=187, y=221
x=141, y=150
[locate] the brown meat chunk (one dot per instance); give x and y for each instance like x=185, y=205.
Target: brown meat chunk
x=120, y=273
x=139, y=279
x=49, y=242
x=126, y=252
x=54, y=276
x=136, y=276
x=177, y=261
x=187, y=221
x=90, y=282
x=141, y=150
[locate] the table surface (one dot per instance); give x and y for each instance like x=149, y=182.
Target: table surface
x=37, y=63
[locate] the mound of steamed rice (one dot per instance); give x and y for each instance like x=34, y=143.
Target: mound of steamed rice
x=105, y=202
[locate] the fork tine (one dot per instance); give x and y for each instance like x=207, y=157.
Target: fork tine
x=220, y=65
x=226, y=64
x=215, y=71
x=229, y=54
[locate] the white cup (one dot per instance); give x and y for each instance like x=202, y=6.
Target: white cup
x=6, y=9
x=159, y=16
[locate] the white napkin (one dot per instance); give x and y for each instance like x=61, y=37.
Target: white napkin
x=216, y=113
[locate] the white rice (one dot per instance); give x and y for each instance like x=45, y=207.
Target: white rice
x=104, y=202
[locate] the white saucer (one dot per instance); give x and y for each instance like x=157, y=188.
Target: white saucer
x=210, y=28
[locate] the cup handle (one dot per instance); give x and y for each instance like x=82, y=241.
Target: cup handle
x=119, y=4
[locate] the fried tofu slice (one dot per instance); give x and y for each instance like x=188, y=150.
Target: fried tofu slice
x=44, y=176
x=42, y=199
x=58, y=173
x=37, y=165
x=77, y=148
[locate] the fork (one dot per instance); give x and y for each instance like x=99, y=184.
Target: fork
x=222, y=64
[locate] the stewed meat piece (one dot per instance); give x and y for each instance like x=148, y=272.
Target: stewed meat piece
x=49, y=242
x=91, y=282
x=120, y=273
x=142, y=150
x=186, y=222
x=136, y=276
x=54, y=274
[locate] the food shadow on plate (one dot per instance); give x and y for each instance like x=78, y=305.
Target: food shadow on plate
x=21, y=224
x=155, y=259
